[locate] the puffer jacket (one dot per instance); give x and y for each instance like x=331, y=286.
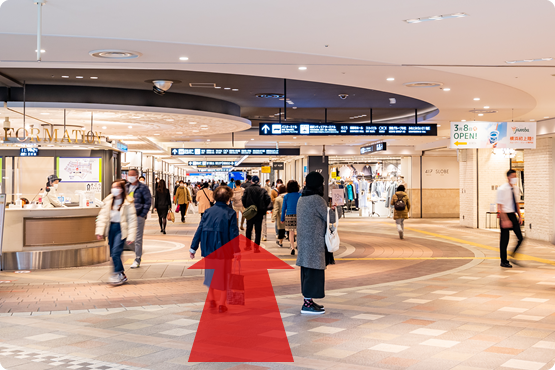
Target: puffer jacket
x=401, y=214
x=50, y=199
x=128, y=221
x=183, y=195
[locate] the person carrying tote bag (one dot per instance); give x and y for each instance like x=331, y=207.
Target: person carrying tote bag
x=332, y=236
x=205, y=199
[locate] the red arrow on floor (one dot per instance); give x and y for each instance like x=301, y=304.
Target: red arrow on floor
x=250, y=331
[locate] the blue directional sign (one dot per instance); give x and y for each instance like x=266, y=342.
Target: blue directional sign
x=28, y=152
x=331, y=129
x=234, y=151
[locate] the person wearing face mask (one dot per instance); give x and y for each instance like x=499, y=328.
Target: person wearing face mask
x=117, y=220
x=183, y=198
x=50, y=195
x=510, y=217
x=143, y=200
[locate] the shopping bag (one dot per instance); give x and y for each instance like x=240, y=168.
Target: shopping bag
x=332, y=237
x=236, y=288
x=177, y=208
x=171, y=216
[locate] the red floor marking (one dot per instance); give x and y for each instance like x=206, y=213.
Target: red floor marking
x=252, y=332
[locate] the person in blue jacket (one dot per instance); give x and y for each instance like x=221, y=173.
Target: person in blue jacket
x=217, y=227
x=289, y=211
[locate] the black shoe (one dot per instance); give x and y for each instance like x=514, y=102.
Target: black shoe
x=279, y=244
x=164, y=232
x=318, y=305
x=506, y=265
x=256, y=250
x=213, y=304
x=292, y=252
x=518, y=263
x=222, y=309
x=311, y=309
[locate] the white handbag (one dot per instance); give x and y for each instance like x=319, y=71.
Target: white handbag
x=332, y=237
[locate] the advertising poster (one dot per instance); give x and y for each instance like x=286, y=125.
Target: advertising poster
x=338, y=197
x=501, y=135
x=79, y=169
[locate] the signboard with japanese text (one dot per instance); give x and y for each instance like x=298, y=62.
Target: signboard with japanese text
x=373, y=148
x=500, y=135
x=328, y=129
x=234, y=151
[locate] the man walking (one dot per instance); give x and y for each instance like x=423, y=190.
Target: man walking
x=510, y=217
x=256, y=195
x=143, y=201
x=245, y=185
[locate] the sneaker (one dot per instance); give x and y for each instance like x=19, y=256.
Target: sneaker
x=118, y=279
x=401, y=234
x=311, y=309
x=318, y=305
x=279, y=244
x=264, y=239
x=136, y=264
x=506, y=265
x=114, y=278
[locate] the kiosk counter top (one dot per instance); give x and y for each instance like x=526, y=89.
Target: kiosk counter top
x=36, y=238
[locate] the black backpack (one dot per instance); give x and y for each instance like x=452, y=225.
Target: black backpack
x=400, y=204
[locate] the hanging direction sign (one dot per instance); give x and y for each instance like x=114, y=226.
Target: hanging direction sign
x=501, y=135
x=234, y=151
x=210, y=163
x=379, y=147
x=324, y=129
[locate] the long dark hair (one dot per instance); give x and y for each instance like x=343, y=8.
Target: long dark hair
x=161, y=188
x=121, y=184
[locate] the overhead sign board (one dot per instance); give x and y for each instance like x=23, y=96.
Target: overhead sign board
x=378, y=147
x=212, y=170
x=279, y=166
x=266, y=169
x=28, y=152
x=121, y=146
x=208, y=163
x=234, y=151
x=328, y=129
x=501, y=135
x=209, y=166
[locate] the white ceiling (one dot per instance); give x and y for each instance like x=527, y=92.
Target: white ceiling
x=367, y=42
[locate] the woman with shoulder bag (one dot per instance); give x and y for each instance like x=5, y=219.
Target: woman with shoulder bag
x=162, y=204
x=205, y=198
x=236, y=200
x=401, y=203
x=277, y=217
x=118, y=221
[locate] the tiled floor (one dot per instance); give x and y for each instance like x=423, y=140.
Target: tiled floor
x=436, y=300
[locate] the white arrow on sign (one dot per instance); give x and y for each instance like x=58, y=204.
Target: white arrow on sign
x=174, y=151
x=265, y=129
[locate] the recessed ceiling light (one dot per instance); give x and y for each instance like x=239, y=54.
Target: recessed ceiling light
x=65, y=76
x=104, y=127
x=192, y=123
x=531, y=120
x=170, y=120
x=78, y=76
x=436, y=18
x=528, y=60
x=41, y=50
x=217, y=87
x=235, y=89
x=463, y=120
x=480, y=114
x=545, y=117
x=207, y=139
x=94, y=78
x=227, y=88
x=476, y=99
x=252, y=139
x=446, y=89
x=486, y=107
x=114, y=54
x=129, y=126
x=183, y=58
x=438, y=125
x=294, y=137
x=391, y=79
x=303, y=68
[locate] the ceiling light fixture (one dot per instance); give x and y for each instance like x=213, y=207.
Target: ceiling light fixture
x=545, y=117
x=94, y=78
x=391, y=79
x=446, y=89
x=41, y=50
x=183, y=58
x=65, y=76
x=303, y=68
x=217, y=87
x=252, y=139
x=207, y=139
x=528, y=60
x=170, y=120
x=192, y=123
x=114, y=54
x=486, y=107
x=78, y=76
x=463, y=120
x=436, y=18
x=156, y=134
x=476, y=99
x=480, y=114
x=129, y=126
x=235, y=90
x=104, y=127
x=294, y=137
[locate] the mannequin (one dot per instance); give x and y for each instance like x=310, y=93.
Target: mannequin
x=362, y=195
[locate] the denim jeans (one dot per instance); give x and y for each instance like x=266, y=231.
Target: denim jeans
x=116, y=246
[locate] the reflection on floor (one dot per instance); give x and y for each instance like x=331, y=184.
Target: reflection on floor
x=436, y=300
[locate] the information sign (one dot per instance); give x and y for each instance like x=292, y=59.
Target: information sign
x=279, y=166
x=328, y=129
x=234, y=151
x=79, y=169
x=501, y=135
x=207, y=163
x=266, y=169
x=373, y=148
x=212, y=170
x=28, y=152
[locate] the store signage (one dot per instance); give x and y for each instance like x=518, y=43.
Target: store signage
x=205, y=163
x=121, y=146
x=209, y=166
x=266, y=169
x=233, y=151
x=28, y=152
x=213, y=170
x=323, y=129
x=52, y=136
x=279, y=166
x=500, y=135
x=373, y=148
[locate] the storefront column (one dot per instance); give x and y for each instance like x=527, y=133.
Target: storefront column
x=320, y=164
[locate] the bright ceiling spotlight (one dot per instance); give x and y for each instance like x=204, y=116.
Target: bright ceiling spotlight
x=303, y=68
x=183, y=58
x=436, y=18
x=391, y=79
x=446, y=89
x=476, y=99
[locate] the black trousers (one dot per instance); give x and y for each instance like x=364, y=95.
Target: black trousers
x=183, y=210
x=313, y=282
x=504, y=242
x=255, y=223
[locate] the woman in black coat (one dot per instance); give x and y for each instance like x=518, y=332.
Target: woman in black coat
x=162, y=204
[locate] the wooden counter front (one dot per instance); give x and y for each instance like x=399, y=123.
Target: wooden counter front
x=47, y=231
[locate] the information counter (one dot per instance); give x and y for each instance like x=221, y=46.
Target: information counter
x=45, y=238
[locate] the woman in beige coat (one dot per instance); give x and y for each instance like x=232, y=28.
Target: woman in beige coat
x=117, y=220
x=401, y=215
x=204, y=198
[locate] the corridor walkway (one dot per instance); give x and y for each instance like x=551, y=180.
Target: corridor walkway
x=436, y=300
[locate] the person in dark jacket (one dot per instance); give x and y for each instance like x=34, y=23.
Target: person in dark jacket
x=258, y=196
x=143, y=201
x=312, y=219
x=217, y=227
x=162, y=204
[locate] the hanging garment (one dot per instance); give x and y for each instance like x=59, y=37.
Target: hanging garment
x=363, y=193
x=346, y=172
x=367, y=170
x=350, y=192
